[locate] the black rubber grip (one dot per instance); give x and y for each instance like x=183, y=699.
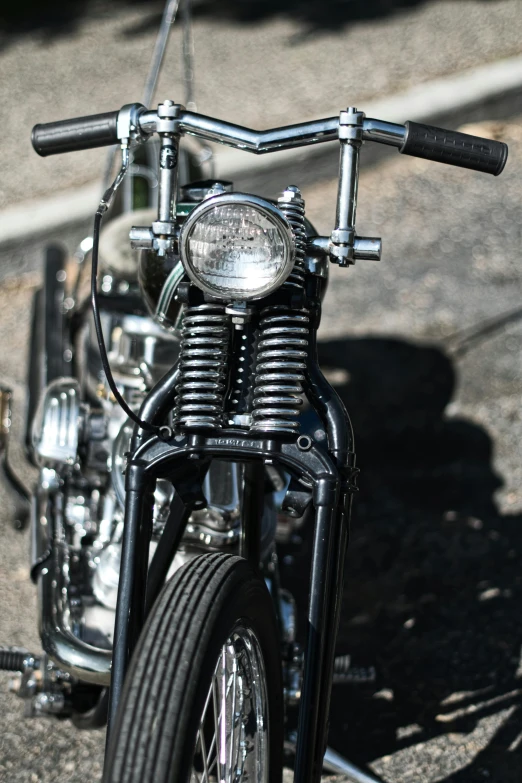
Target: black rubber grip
x=457, y=149
x=80, y=133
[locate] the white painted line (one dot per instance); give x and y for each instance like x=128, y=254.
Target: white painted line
x=48, y=214
x=420, y=103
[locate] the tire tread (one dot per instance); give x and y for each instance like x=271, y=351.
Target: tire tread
x=149, y=738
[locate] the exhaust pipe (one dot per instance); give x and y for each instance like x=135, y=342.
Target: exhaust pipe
x=83, y=661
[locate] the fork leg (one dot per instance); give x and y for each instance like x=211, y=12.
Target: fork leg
x=312, y=728
x=130, y=609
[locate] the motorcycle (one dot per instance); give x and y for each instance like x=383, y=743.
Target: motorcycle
x=183, y=429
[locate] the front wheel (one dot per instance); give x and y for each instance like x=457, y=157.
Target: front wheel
x=203, y=698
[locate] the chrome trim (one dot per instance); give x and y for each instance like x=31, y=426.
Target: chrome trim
x=41, y=534
x=87, y=663
x=343, y=236
x=318, y=245
x=140, y=326
x=141, y=237
x=128, y=126
x=262, y=206
x=168, y=292
x=168, y=177
x=384, y=132
x=287, y=607
x=57, y=422
x=260, y=142
x=365, y=249
x=221, y=488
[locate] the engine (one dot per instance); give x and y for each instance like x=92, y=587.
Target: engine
x=80, y=439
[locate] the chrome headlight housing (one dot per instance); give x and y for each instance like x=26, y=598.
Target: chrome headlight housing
x=237, y=247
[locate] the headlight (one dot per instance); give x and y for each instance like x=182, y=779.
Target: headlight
x=237, y=247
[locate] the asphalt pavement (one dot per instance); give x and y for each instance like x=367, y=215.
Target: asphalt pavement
x=260, y=64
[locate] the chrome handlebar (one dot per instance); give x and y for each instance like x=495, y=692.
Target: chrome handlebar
x=273, y=140
x=133, y=124
x=138, y=123
x=351, y=128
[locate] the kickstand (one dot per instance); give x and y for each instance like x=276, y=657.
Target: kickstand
x=335, y=763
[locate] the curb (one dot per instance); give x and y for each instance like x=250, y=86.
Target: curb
x=447, y=97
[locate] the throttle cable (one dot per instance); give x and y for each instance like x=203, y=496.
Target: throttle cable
x=104, y=205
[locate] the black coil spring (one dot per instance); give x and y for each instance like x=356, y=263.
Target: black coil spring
x=292, y=206
x=283, y=341
x=205, y=338
x=280, y=368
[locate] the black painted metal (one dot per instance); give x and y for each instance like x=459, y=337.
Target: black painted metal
x=309, y=750
x=49, y=335
x=328, y=404
x=96, y=717
x=130, y=608
x=54, y=323
x=158, y=403
x=327, y=570
x=166, y=549
x=160, y=457
x=333, y=603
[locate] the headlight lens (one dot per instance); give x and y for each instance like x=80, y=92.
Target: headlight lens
x=237, y=247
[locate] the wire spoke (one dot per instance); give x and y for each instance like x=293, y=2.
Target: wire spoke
x=223, y=738
x=211, y=750
x=215, y=697
x=238, y=695
x=204, y=755
x=205, y=708
x=233, y=717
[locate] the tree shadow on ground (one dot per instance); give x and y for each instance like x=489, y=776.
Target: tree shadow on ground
x=326, y=16
x=433, y=581
x=61, y=17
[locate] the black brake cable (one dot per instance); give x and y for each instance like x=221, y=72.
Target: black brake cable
x=105, y=202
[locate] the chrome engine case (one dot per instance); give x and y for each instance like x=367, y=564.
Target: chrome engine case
x=80, y=437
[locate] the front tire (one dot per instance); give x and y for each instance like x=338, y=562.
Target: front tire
x=203, y=697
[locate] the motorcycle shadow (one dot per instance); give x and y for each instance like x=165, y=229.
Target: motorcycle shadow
x=432, y=583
